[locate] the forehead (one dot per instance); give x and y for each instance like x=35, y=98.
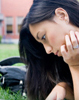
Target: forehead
x=41, y=26
x=37, y=25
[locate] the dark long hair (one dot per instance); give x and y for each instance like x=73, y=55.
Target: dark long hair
x=44, y=71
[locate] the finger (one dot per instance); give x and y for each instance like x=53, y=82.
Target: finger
x=60, y=99
x=68, y=43
x=73, y=39
x=62, y=95
x=77, y=36
x=52, y=96
x=63, y=51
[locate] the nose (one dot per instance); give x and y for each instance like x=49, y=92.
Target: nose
x=48, y=49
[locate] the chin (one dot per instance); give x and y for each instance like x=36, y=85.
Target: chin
x=59, y=54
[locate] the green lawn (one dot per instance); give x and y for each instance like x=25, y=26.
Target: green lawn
x=9, y=50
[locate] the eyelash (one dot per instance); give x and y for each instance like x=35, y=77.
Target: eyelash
x=44, y=37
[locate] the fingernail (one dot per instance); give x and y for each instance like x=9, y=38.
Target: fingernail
x=77, y=32
x=71, y=32
x=66, y=36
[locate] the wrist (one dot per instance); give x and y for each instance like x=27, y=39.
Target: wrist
x=74, y=70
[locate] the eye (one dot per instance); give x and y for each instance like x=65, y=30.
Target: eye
x=44, y=37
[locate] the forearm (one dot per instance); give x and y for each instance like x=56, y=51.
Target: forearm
x=75, y=77
x=69, y=92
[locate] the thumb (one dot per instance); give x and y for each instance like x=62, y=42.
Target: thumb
x=63, y=51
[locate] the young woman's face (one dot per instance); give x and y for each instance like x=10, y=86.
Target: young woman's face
x=51, y=34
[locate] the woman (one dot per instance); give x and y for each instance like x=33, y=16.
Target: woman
x=51, y=26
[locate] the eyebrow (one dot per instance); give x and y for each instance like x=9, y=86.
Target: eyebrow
x=37, y=36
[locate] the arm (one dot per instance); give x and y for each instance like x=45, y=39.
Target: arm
x=71, y=57
x=75, y=76
x=61, y=90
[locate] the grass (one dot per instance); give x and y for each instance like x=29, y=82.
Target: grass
x=9, y=50
x=5, y=95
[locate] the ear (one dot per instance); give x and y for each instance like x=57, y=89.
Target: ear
x=62, y=14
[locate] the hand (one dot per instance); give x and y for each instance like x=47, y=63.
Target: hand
x=58, y=93
x=69, y=53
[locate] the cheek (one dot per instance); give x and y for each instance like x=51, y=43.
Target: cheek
x=52, y=39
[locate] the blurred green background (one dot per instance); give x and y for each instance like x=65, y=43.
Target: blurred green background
x=9, y=50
